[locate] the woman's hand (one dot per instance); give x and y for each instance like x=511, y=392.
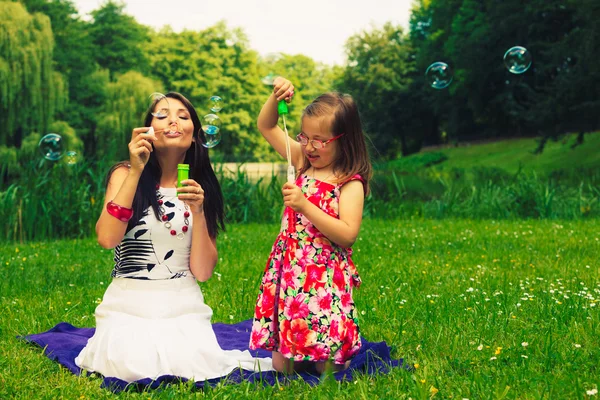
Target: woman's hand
x=140, y=147
x=192, y=194
x=283, y=89
x=293, y=197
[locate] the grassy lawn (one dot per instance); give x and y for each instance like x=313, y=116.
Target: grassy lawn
x=512, y=154
x=484, y=309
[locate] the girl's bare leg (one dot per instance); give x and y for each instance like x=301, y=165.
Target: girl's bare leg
x=322, y=366
x=282, y=364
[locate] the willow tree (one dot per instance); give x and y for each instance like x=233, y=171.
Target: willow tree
x=30, y=90
x=127, y=100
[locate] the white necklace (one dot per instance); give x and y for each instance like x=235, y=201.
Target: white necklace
x=165, y=218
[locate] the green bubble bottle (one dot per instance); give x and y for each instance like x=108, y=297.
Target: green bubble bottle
x=183, y=173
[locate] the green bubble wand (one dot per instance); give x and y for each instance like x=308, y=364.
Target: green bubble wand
x=282, y=109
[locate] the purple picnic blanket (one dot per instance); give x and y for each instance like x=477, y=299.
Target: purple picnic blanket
x=64, y=342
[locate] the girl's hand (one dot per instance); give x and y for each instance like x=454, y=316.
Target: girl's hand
x=192, y=194
x=140, y=147
x=283, y=89
x=293, y=197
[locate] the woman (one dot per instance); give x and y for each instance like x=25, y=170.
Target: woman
x=153, y=320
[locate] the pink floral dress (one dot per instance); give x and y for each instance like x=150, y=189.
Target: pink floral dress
x=305, y=309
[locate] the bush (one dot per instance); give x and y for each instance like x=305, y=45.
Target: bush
x=58, y=200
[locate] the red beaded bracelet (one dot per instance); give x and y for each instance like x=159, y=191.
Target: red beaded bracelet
x=119, y=212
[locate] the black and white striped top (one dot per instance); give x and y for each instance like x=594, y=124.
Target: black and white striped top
x=149, y=251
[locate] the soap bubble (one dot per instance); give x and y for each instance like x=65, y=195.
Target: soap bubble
x=439, y=75
x=71, y=157
x=211, y=140
x=269, y=79
x=51, y=146
x=216, y=104
x=517, y=59
x=211, y=124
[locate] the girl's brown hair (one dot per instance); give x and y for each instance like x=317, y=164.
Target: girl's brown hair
x=353, y=157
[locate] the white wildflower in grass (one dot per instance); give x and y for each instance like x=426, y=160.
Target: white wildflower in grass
x=480, y=347
x=576, y=345
x=524, y=344
x=592, y=392
x=492, y=358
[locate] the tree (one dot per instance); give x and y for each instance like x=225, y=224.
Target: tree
x=124, y=109
x=576, y=72
x=216, y=61
x=378, y=75
x=120, y=40
x=484, y=99
x=31, y=90
x=430, y=29
x=74, y=57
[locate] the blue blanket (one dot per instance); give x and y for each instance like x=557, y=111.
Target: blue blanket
x=64, y=342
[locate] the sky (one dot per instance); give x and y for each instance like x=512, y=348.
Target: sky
x=316, y=28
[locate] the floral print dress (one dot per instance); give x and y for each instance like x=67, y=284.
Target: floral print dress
x=305, y=308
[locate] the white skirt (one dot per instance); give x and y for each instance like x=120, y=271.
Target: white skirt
x=150, y=328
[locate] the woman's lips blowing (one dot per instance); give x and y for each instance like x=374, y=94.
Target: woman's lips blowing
x=172, y=134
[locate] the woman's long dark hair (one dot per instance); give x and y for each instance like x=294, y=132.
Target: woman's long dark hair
x=200, y=170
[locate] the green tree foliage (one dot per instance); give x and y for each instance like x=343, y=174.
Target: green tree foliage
x=73, y=50
x=576, y=73
x=29, y=150
x=31, y=91
x=219, y=61
x=380, y=75
x=41, y=55
x=556, y=95
x=75, y=58
x=430, y=28
x=215, y=61
x=119, y=38
x=127, y=100
x=309, y=77
x=8, y=164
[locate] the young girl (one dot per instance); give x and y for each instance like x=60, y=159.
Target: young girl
x=305, y=312
x=153, y=320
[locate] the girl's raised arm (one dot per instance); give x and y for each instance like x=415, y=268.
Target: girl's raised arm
x=268, y=118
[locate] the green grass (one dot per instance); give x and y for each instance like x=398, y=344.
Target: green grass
x=511, y=155
x=437, y=291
